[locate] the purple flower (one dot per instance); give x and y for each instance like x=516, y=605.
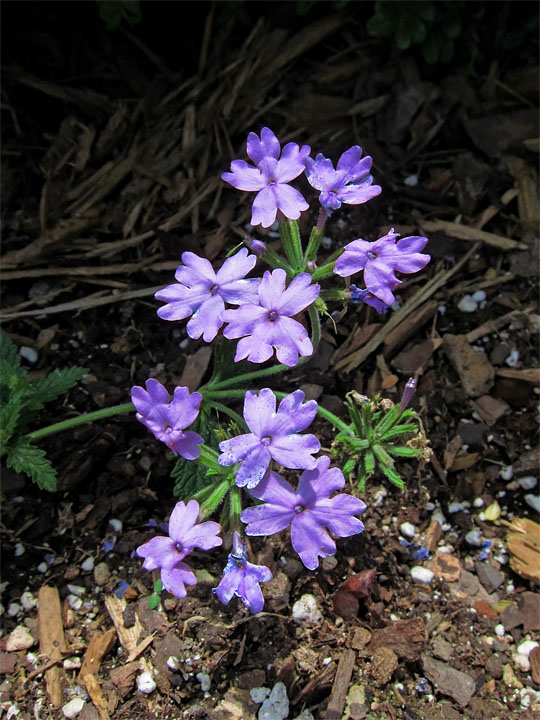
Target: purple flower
x=242, y=578
x=269, y=324
x=309, y=511
x=408, y=394
x=351, y=183
x=380, y=259
x=202, y=293
x=273, y=436
x=168, y=553
x=364, y=296
x=270, y=177
x=167, y=420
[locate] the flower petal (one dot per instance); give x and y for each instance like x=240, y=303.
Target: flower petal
x=266, y=519
x=253, y=468
x=237, y=448
x=203, y=535
x=159, y=552
x=258, y=410
x=289, y=200
x=182, y=519
x=244, y=176
x=187, y=445
x=310, y=540
x=267, y=146
x=295, y=451
x=175, y=579
x=300, y=293
x=207, y=320
x=264, y=209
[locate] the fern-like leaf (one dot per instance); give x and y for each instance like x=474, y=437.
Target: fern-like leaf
x=9, y=417
x=27, y=458
x=50, y=387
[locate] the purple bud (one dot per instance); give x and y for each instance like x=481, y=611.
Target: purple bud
x=256, y=246
x=408, y=394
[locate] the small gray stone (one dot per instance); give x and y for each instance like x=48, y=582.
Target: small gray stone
x=102, y=574
x=489, y=576
x=449, y=681
x=494, y=666
x=442, y=649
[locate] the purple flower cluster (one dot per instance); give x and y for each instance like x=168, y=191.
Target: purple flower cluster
x=202, y=293
x=274, y=436
x=168, y=553
x=268, y=323
x=380, y=260
x=167, y=419
x=309, y=511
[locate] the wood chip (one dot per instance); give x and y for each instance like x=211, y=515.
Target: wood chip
x=474, y=369
x=341, y=684
x=523, y=541
x=407, y=638
x=462, y=232
x=98, y=647
x=529, y=375
x=52, y=642
x=94, y=690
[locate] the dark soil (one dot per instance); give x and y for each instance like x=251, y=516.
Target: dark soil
x=113, y=144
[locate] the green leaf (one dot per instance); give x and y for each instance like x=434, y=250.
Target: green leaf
x=29, y=459
x=53, y=385
x=9, y=417
x=9, y=352
x=153, y=601
x=399, y=430
x=403, y=451
x=380, y=25
x=393, y=476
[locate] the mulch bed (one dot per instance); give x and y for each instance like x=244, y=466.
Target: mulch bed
x=113, y=148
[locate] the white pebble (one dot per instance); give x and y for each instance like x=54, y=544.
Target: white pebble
x=521, y=662
x=442, y=309
x=77, y=590
x=456, y=506
x=533, y=501
x=439, y=517
x=74, y=602
x=526, y=646
x=467, y=304
x=379, y=496
x=407, y=529
x=19, y=639
x=478, y=502
x=172, y=662
x=527, y=696
x=204, y=679
x=259, y=694
x=499, y=630
x=411, y=180
x=528, y=482
x=116, y=524
x=306, y=611
x=421, y=574
x=73, y=707
x=88, y=564
x=510, y=587
x=42, y=567
x=13, y=609
x=28, y=601
x=513, y=359
x=474, y=537
x=276, y=707
x=479, y=296
x=507, y=472
x=326, y=661
x=326, y=242
x=28, y=353
x=304, y=715
x=145, y=683
x=72, y=663
x=19, y=550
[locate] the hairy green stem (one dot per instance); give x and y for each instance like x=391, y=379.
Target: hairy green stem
x=80, y=420
x=227, y=411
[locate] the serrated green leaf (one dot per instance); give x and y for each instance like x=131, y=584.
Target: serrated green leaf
x=27, y=458
x=9, y=417
x=369, y=463
x=399, y=430
x=403, y=451
x=8, y=350
x=392, y=475
x=51, y=386
x=189, y=476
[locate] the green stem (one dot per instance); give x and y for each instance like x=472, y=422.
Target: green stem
x=290, y=237
x=275, y=261
x=80, y=420
x=227, y=411
x=209, y=457
x=313, y=244
x=235, y=508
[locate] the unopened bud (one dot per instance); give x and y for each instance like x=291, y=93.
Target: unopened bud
x=256, y=246
x=408, y=394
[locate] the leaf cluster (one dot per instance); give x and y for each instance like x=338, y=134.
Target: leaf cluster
x=370, y=441
x=20, y=399
x=431, y=25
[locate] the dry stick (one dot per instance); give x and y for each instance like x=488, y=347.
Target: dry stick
x=150, y=263
x=462, y=232
x=52, y=640
x=83, y=304
x=357, y=358
x=342, y=681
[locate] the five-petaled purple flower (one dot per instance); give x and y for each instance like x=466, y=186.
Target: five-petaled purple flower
x=273, y=436
x=310, y=511
x=202, y=293
x=350, y=183
x=269, y=324
x=167, y=419
x=168, y=553
x=242, y=578
x=270, y=177
x=380, y=259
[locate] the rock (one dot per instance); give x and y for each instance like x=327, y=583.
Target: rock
x=407, y=638
x=276, y=707
x=259, y=694
x=449, y=681
x=528, y=482
x=526, y=613
x=205, y=680
x=236, y=705
x=421, y=574
x=446, y=566
x=276, y=593
x=491, y=409
x=73, y=707
x=146, y=683
x=306, y=611
x=8, y=663
x=19, y=639
x=510, y=679
x=408, y=530
x=533, y=501
x=526, y=647
x=474, y=369
x=489, y=576
x=382, y=666
x=102, y=574
x=442, y=649
x=494, y=666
